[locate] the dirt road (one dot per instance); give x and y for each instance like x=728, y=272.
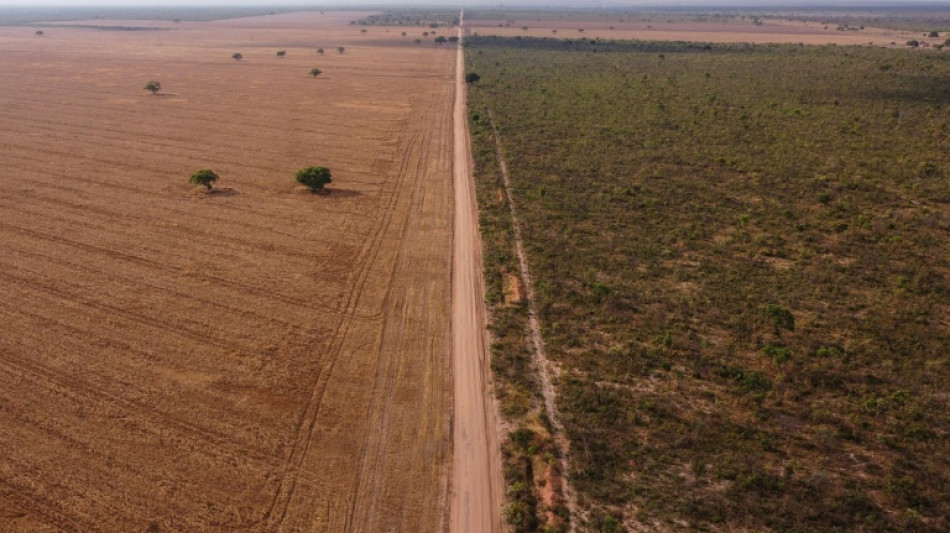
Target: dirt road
x=477, y=489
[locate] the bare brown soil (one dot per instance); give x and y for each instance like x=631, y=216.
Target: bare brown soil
x=770, y=31
x=260, y=359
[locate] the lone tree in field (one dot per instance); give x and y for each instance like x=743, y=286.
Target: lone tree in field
x=314, y=178
x=341, y=49
x=320, y=51
x=39, y=32
x=472, y=77
x=205, y=177
x=237, y=56
x=315, y=72
x=281, y=53
x=153, y=86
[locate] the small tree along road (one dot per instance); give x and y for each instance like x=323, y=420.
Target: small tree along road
x=472, y=77
x=153, y=86
x=314, y=178
x=205, y=177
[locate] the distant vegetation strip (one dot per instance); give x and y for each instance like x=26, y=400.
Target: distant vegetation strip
x=742, y=261
x=922, y=17
x=19, y=16
x=432, y=18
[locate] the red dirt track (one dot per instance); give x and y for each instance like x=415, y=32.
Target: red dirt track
x=256, y=359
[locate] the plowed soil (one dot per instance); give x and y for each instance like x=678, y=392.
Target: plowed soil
x=254, y=359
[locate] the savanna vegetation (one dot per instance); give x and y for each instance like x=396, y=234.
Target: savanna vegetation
x=741, y=261
x=432, y=18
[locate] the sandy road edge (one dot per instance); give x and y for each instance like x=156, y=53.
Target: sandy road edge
x=545, y=368
x=476, y=482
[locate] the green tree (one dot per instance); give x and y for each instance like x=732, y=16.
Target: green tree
x=39, y=32
x=314, y=178
x=453, y=39
x=440, y=39
x=205, y=177
x=341, y=49
x=320, y=51
x=781, y=317
x=153, y=86
x=315, y=72
x=913, y=43
x=281, y=53
x=472, y=77
x=237, y=56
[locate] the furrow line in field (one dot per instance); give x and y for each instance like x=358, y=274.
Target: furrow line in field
x=80, y=159
x=171, y=214
x=365, y=492
x=264, y=292
x=208, y=114
x=155, y=322
x=160, y=226
x=169, y=288
x=76, y=336
x=49, y=511
x=304, y=434
x=220, y=442
x=108, y=189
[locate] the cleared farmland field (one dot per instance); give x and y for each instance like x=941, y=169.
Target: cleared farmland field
x=254, y=359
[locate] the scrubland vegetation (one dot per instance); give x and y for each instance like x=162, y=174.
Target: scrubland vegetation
x=412, y=17
x=741, y=263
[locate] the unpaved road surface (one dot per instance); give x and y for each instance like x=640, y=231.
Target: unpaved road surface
x=258, y=359
x=476, y=500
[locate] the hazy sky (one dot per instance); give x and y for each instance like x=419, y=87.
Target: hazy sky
x=357, y=3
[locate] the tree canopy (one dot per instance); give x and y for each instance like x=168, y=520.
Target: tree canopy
x=315, y=72
x=153, y=86
x=205, y=177
x=314, y=178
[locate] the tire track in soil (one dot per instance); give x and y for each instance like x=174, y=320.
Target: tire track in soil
x=144, y=261
x=277, y=511
x=96, y=395
x=361, y=515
